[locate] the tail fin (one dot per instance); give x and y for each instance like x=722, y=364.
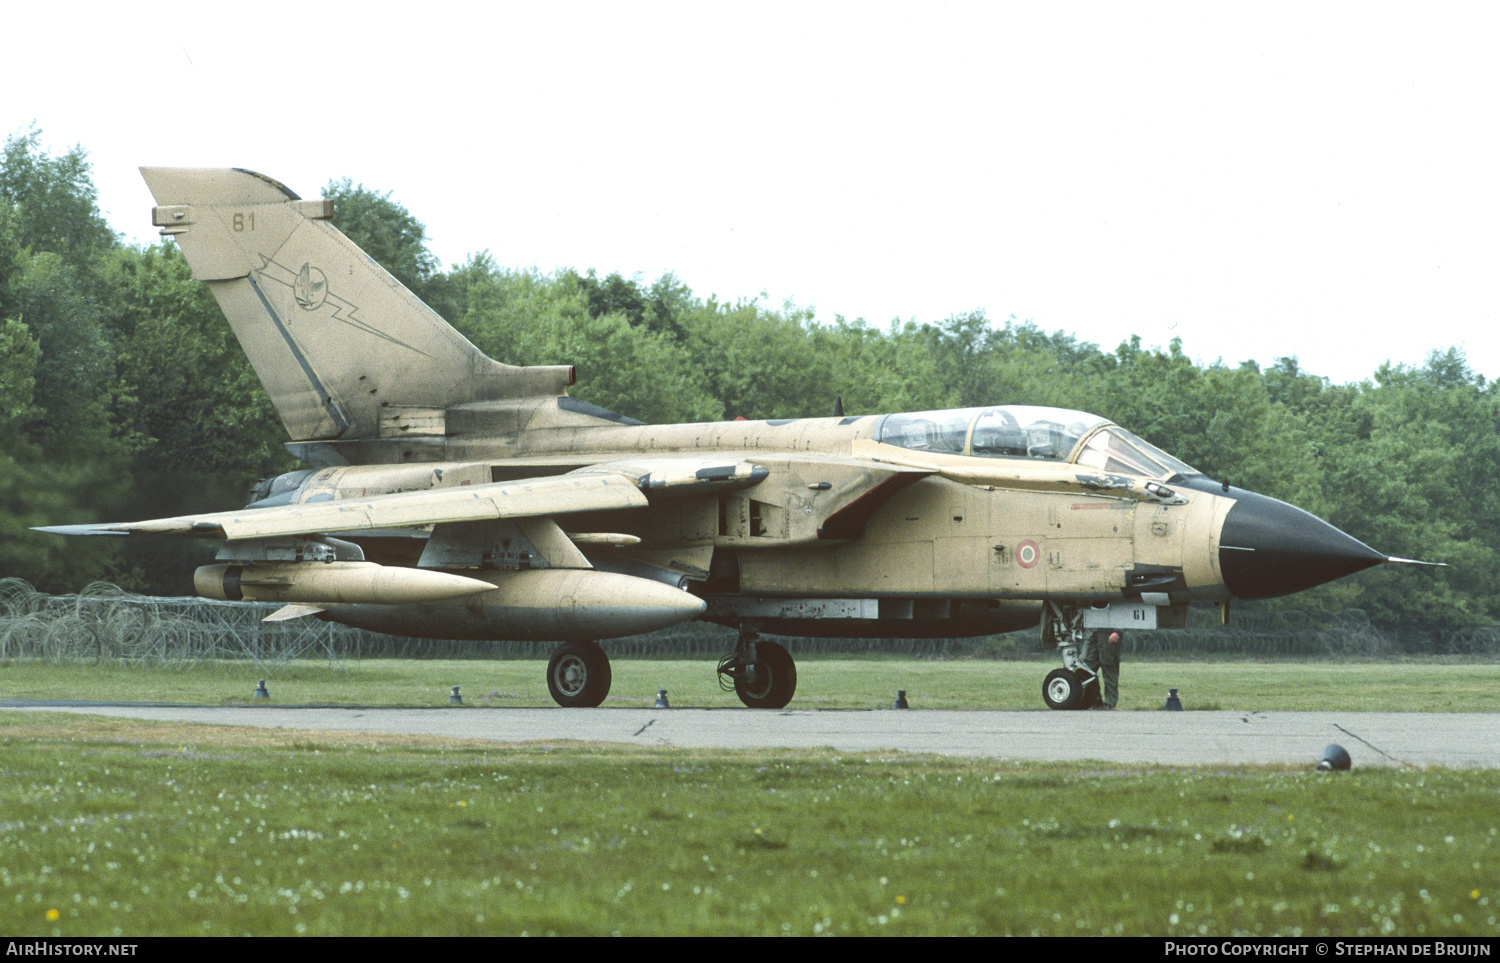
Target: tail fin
x=342, y=347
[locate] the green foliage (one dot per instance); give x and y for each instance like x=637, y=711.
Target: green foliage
x=19, y=353
x=872, y=371
x=52, y=199
x=659, y=308
x=75, y=376
x=114, y=363
x=39, y=490
x=630, y=370
x=12, y=260
x=194, y=393
x=1426, y=484
x=759, y=363
x=522, y=317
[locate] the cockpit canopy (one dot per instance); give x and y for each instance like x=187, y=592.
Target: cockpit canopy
x=1029, y=431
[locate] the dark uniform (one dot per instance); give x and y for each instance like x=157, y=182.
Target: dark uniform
x=1102, y=654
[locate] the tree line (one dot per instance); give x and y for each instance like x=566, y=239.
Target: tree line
x=124, y=395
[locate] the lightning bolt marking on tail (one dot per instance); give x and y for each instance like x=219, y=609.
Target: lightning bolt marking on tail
x=344, y=311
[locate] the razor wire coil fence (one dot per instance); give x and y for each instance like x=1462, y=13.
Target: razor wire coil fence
x=103, y=624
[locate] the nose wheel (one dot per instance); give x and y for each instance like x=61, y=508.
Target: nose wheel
x=1062, y=689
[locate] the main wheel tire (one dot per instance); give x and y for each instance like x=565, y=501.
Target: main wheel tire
x=1062, y=689
x=578, y=675
x=775, y=678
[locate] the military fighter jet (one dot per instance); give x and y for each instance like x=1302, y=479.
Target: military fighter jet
x=452, y=496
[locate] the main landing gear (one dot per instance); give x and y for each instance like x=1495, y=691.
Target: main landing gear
x=761, y=673
x=578, y=675
x=1075, y=685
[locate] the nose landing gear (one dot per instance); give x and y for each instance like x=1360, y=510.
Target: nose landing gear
x=1075, y=685
x=1070, y=689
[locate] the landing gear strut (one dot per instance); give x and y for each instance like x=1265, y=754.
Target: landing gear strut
x=761, y=673
x=578, y=675
x=1075, y=685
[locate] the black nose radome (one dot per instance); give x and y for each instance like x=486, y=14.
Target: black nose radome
x=1269, y=548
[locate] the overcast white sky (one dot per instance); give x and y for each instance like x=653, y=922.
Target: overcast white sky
x=1259, y=179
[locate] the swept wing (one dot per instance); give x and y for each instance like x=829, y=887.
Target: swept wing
x=563, y=494
x=604, y=487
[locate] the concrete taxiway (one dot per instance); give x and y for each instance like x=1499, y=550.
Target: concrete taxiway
x=1402, y=739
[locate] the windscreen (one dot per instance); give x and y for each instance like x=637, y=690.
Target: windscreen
x=1117, y=450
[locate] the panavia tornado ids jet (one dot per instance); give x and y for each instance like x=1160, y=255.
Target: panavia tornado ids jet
x=453, y=496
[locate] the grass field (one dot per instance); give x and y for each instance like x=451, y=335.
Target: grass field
x=1427, y=685
x=114, y=827
x=117, y=827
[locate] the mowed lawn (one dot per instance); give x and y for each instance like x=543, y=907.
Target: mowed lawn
x=1425, y=685
x=114, y=827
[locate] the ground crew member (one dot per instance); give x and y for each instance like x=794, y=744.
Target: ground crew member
x=1103, y=657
